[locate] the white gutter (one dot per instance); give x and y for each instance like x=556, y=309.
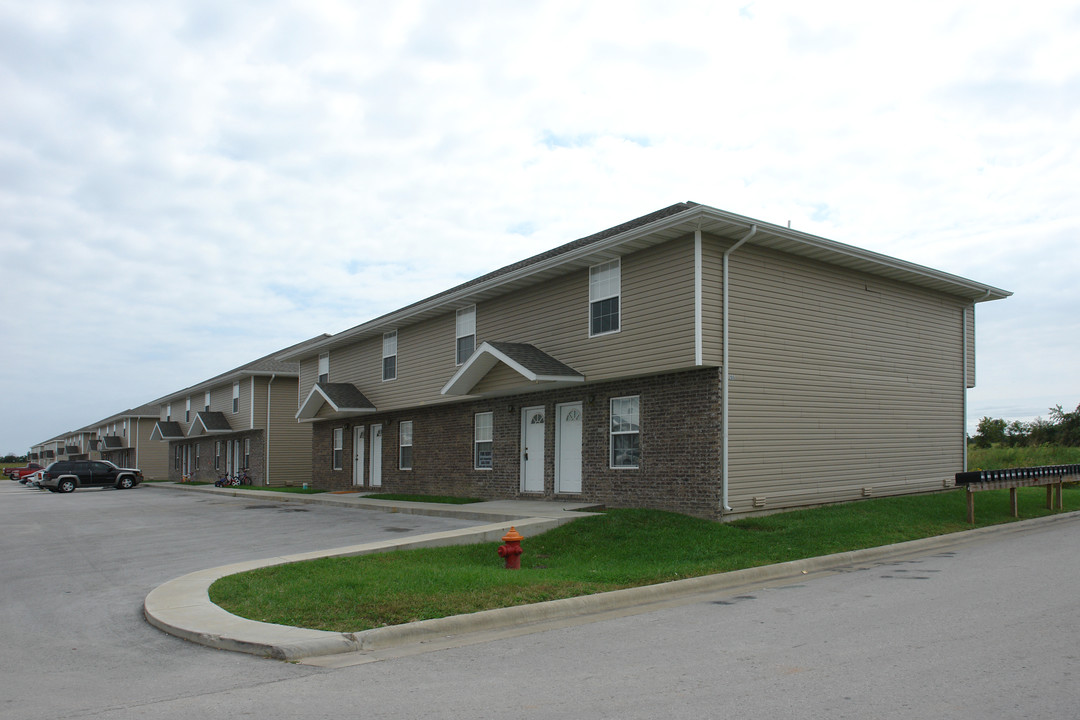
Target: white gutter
x=251, y=412
x=725, y=380
x=266, y=434
x=697, y=297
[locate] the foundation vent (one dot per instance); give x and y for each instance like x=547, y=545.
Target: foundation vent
x=867, y=492
x=759, y=502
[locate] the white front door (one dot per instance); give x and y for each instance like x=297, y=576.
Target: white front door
x=568, y=448
x=532, y=449
x=375, y=476
x=358, y=455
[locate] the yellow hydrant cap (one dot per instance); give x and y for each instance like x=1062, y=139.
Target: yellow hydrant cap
x=513, y=536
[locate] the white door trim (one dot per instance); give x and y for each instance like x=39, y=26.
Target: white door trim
x=375, y=476
x=359, y=435
x=568, y=456
x=532, y=457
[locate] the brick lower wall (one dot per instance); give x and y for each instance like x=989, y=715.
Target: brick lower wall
x=679, y=468
x=206, y=471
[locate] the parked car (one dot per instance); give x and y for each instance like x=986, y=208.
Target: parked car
x=33, y=479
x=66, y=475
x=18, y=473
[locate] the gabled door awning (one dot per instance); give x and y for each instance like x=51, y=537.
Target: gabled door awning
x=341, y=399
x=165, y=430
x=534, y=366
x=209, y=423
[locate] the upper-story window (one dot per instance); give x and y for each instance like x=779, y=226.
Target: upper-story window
x=236, y=397
x=605, y=287
x=466, y=333
x=168, y=414
x=389, y=355
x=206, y=402
x=187, y=411
x=324, y=368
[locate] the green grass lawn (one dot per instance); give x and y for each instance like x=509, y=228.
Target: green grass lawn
x=618, y=549
x=999, y=457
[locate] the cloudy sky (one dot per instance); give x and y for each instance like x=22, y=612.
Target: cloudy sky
x=188, y=185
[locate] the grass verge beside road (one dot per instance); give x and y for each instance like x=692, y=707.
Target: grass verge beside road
x=618, y=549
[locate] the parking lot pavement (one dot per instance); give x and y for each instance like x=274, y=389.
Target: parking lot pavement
x=77, y=568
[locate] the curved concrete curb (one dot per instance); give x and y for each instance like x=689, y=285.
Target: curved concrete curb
x=182, y=607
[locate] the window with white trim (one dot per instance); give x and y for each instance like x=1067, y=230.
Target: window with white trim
x=466, y=333
x=389, y=355
x=247, y=453
x=187, y=410
x=236, y=397
x=339, y=447
x=605, y=288
x=405, y=440
x=197, y=446
x=168, y=415
x=206, y=402
x=625, y=432
x=176, y=457
x=217, y=454
x=324, y=368
x=483, y=426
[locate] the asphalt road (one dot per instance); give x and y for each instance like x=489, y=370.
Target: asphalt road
x=985, y=629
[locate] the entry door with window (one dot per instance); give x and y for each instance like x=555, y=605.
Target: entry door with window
x=376, y=456
x=358, y=455
x=532, y=449
x=568, y=448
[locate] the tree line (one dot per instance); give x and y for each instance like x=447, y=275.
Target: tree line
x=1063, y=428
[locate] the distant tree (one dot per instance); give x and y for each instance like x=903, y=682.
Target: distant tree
x=989, y=431
x=1067, y=425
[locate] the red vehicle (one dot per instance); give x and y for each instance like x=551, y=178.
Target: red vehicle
x=21, y=472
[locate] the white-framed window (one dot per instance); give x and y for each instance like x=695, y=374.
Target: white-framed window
x=625, y=432
x=217, y=455
x=405, y=440
x=176, y=457
x=197, y=446
x=605, y=289
x=466, y=333
x=123, y=428
x=339, y=447
x=324, y=368
x=247, y=453
x=389, y=355
x=236, y=397
x=187, y=410
x=168, y=414
x=483, y=427
x=206, y=401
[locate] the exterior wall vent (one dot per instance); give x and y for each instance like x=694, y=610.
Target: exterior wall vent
x=759, y=502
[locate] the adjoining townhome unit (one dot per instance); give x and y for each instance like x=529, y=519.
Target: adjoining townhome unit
x=241, y=419
x=124, y=439
x=691, y=359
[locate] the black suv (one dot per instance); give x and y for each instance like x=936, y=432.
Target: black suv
x=66, y=475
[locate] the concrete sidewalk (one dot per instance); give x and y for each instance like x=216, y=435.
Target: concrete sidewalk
x=182, y=606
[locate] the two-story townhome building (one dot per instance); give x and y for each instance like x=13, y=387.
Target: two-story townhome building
x=241, y=419
x=691, y=359
x=124, y=439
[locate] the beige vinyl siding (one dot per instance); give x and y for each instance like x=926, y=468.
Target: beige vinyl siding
x=656, y=317
x=501, y=378
x=712, y=293
x=290, y=441
x=152, y=456
x=656, y=335
x=309, y=374
x=842, y=381
x=257, y=418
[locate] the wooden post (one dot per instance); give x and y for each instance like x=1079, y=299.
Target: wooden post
x=1013, y=504
x=971, y=506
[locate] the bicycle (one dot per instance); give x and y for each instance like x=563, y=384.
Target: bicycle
x=243, y=478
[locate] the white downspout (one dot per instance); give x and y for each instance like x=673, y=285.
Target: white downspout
x=725, y=380
x=266, y=436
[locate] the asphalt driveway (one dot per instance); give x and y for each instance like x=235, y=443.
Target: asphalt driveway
x=76, y=569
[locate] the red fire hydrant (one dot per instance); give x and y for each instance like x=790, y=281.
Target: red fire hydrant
x=512, y=549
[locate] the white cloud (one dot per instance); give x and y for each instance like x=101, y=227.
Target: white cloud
x=191, y=185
